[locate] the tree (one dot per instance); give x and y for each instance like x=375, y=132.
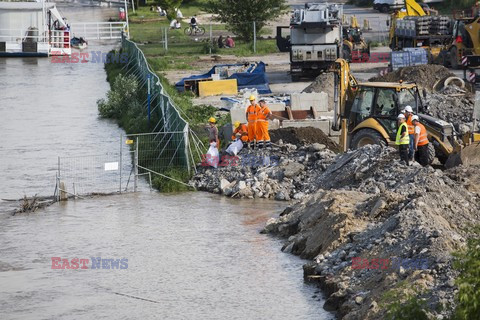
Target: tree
x=239, y=15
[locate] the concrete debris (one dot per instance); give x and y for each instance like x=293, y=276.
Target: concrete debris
x=283, y=173
x=370, y=207
x=454, y=108
x=426, y=76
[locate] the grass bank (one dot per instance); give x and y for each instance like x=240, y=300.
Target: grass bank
x=148, y=29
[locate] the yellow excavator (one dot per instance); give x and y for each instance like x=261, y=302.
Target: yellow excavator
x=411, y=28
x=366, y=113
x=465, y=37
x=354, y=45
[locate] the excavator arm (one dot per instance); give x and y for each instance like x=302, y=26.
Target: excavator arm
x=414, y=9
x=345, y=86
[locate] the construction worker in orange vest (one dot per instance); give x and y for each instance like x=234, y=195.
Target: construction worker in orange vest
x=411, y=130
x=240, y=132
x=421, y=142
x=251, y=115
x=262, y=125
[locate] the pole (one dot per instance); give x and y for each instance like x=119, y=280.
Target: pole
x=211, y=40
x=166, y=39
x=126, y=19
x=135, y=180
x=120, y=162
x=148, y=96
x=133, y=6
x=254, y=37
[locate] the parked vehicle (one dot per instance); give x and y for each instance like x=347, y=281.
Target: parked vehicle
x=315, y=39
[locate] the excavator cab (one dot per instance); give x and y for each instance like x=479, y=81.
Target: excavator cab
x=372, y=118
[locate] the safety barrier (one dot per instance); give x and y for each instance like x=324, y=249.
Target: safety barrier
x=176, y=139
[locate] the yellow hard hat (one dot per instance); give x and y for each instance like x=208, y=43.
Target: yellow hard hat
x=252, y=97
x=212, y=120
x=236, y=124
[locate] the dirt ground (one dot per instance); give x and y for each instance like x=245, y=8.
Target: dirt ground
x=305, y=135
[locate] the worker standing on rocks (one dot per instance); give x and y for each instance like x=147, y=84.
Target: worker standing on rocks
x=403, y=138
x=421, y=142
x=411, y=131
x=213, y=132
x=240, y=132
x=251, y=115
x=263, y=115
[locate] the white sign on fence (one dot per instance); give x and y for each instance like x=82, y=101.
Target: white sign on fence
x=111, y=166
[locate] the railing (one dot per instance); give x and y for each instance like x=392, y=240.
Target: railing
x=99, y=30
x=21, y=35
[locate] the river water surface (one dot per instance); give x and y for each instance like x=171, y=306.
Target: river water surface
x=190, y=255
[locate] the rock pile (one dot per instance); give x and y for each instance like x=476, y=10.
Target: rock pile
x=426, y=76
x=452, y=105
x=369, y=207
x=283, y=172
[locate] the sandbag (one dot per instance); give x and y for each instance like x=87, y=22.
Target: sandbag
x=235, y=147
x=212, y=155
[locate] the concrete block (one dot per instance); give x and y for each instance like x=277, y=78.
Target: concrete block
x=237, y=113
x=304, y=101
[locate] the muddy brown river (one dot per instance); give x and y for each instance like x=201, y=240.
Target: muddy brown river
x=182, y=256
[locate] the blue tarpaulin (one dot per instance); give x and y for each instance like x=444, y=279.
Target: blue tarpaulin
x=254, y=77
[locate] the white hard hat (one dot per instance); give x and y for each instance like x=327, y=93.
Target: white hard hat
x=408, y=109
x=415, y=117
x=401, y=116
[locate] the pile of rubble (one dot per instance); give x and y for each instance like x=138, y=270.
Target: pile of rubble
x=425, y=76
x=453, y=105
x=282, y=172
x=371, y=209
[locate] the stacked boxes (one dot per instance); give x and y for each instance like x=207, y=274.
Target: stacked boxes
x=408, y=57
x=423, y=26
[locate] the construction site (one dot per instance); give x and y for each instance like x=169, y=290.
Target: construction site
x=333, y=156
x=320, y=216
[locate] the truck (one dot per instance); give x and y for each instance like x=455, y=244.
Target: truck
x=315, y=39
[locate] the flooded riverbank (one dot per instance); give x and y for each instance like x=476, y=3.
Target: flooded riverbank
x=200, y=256
x=190, y=255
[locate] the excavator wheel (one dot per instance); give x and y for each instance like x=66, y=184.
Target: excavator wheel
x=367, y=136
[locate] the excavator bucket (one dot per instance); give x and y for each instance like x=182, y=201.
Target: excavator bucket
x=468, y=155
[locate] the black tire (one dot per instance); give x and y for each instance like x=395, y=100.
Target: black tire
x=384, y=8
x=200, y=31
x=367, y=136
x=453, y=58
x=431, y=153
x=188, y=31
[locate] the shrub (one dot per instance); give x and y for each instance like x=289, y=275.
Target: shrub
x=120, y=98
x=467, y=262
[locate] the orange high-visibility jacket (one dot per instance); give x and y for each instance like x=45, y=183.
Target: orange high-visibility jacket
x=242, y=130
x=252, y=111
x=423, y=137
x=263, y=113
x=411, y=127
